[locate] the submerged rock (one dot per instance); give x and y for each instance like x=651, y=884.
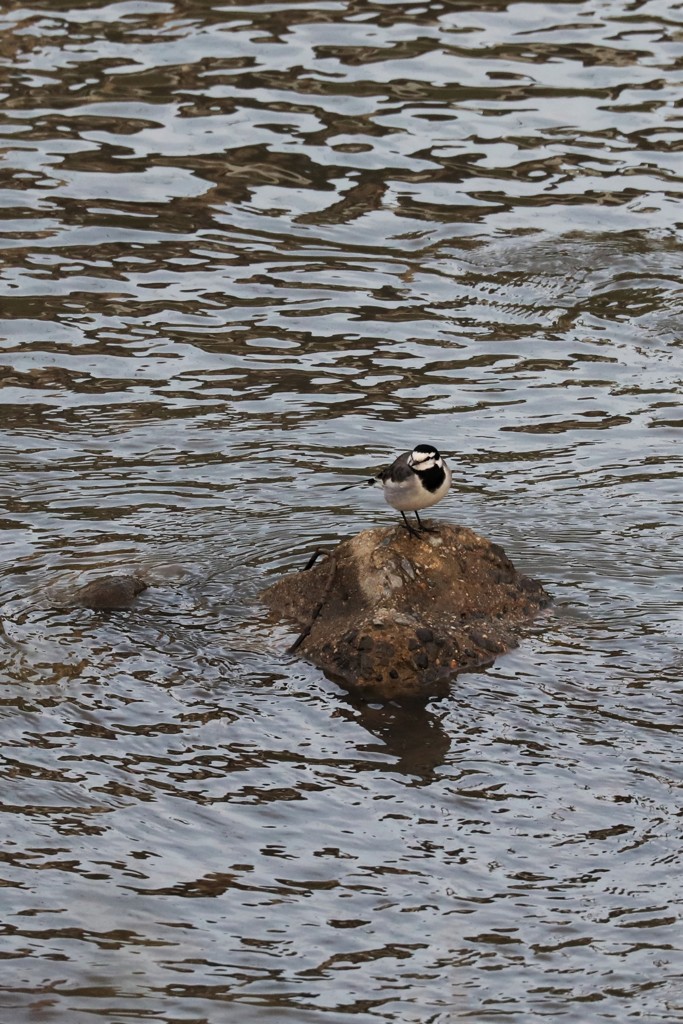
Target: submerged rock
x=391, y=616
x=109, y=593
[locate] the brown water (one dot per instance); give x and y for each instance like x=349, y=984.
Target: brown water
x=250, y=251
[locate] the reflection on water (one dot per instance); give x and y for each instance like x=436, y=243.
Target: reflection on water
x=247, y=254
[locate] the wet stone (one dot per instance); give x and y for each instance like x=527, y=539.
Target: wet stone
x=464, y=603
x=486, y=642
x=108, y=593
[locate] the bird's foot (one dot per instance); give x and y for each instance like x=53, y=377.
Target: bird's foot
x=421, y=526
x=405, y=525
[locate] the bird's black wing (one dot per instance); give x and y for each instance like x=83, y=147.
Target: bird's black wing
x=398, y=471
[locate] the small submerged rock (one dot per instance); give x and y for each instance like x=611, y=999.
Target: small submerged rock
x=109, y=593
x=391, y=616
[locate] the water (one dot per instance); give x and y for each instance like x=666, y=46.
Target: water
x=248, y=253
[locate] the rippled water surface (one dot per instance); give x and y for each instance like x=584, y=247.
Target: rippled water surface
x=249, y=252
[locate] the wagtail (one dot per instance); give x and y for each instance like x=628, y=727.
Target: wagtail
x=413, y=481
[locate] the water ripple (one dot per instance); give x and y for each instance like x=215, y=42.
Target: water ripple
x=249, y=253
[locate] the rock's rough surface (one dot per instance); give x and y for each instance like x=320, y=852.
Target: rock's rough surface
x=392, y=616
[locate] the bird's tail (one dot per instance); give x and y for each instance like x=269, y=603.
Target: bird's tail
x=359, y=483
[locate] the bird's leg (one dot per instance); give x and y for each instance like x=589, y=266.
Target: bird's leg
x=421, y=525
x=408, y=527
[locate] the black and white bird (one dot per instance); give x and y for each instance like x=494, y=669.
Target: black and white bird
x=413, y=481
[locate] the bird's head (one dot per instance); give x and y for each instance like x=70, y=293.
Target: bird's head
x=424, y=457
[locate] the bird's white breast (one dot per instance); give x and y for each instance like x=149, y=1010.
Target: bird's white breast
x=410, y=495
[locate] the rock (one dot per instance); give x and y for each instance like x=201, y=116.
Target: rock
x=109, y=593
x=390, y=616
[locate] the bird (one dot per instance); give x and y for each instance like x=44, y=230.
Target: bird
x=414, y=480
